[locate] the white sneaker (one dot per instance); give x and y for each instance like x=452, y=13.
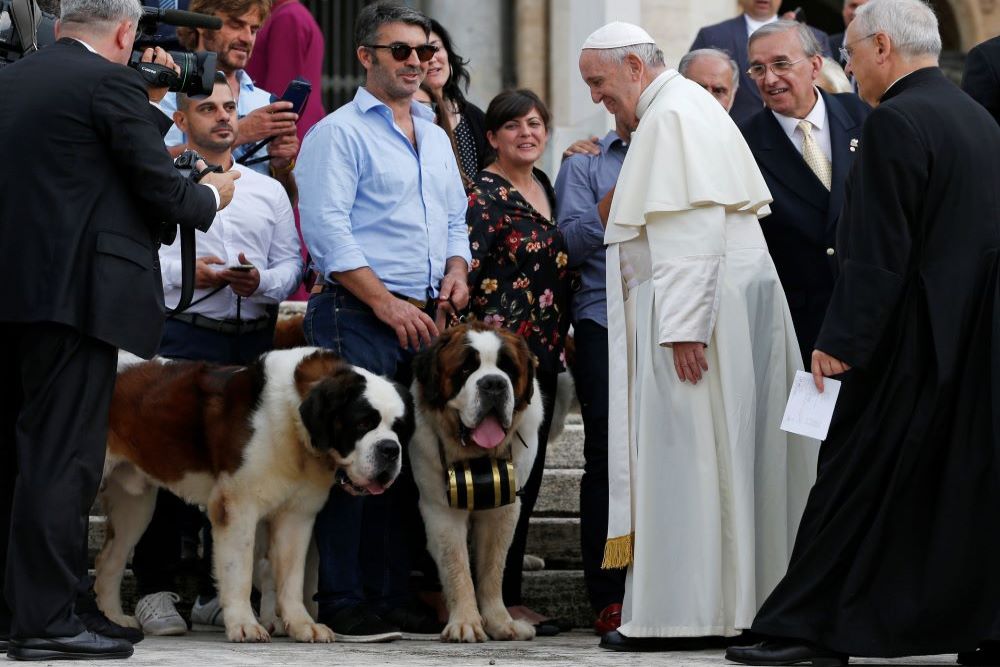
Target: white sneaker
x=158, y=616
x=207, y=617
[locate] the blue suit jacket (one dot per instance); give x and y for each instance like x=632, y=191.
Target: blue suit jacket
x=731, y=37
x=801, y=230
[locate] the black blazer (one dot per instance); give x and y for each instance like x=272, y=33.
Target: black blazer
x=84, y=183
x=981, y=78
x=801, y=230
x=731, y=37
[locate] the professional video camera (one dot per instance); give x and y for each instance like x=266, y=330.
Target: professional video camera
x=24, y=28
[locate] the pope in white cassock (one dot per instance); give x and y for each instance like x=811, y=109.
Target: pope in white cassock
x=706, y=490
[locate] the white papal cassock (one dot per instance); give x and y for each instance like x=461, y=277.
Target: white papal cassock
x=706, y=490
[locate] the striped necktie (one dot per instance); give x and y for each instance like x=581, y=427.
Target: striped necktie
x=814, y=156
x=167, y=4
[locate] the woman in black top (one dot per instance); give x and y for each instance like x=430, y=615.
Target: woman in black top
x=519, y=277
x=447, y=75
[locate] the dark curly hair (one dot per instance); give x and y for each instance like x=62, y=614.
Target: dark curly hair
x=459, y=77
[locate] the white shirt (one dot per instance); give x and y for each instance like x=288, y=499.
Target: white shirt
x=259, y=223
x=820, y=127
x=753, y=24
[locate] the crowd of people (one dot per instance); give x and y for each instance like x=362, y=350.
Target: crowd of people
x=782, y=200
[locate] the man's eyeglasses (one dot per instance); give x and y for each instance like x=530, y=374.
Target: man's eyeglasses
x=846, y=50
x=401, y=52
x=778, y=67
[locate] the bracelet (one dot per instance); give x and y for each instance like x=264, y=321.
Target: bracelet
x=284, y=170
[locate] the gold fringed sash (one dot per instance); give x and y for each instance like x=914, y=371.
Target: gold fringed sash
x=618, y=552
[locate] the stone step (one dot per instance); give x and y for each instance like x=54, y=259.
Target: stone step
x=567, y=451
x=560, y=492
x=560, y=594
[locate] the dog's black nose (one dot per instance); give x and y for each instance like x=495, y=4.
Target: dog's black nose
x=387, y=450
x=494, y=385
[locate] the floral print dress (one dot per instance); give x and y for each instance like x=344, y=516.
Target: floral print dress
x=519, y=278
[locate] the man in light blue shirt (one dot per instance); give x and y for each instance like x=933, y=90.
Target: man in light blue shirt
x=383, y=214
x=582, y=188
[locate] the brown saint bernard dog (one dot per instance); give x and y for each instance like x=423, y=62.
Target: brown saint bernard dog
x=257, y=444
x=476, y=396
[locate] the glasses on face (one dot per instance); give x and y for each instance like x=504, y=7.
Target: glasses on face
x=401, y=52
x=778, y=67
x=846, y=50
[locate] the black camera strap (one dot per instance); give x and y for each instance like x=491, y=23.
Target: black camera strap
x=26, y=16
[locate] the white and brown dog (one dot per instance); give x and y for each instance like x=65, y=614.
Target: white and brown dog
x=476, y=396
x=261, y=443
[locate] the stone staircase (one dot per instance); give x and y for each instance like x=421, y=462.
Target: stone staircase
x=554, y=535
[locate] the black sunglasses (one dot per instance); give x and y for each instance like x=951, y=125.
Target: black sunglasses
x=402, y=51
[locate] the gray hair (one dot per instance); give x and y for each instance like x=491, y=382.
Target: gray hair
x=810, y=45
x=650, y=54
x=87, y=12
x=374, y=16
x=911, y=25
x=685, y=64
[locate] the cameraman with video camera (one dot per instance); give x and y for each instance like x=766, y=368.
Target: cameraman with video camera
x=84, y=187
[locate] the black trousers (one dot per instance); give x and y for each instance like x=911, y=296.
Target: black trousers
x=590, y=373
x=53, y=435
x=513, y=572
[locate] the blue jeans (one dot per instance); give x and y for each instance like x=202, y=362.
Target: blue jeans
x=363, y=553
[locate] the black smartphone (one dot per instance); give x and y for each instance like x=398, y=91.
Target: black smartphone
x=297, y=93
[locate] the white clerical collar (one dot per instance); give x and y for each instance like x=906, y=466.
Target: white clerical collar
x=87, y=46
x=649, y=94
x=753, y=24
x=816, y=117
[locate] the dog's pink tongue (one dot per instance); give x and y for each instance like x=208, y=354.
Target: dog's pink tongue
x=489, y=433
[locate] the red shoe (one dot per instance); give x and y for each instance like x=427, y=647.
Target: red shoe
x=608, y=620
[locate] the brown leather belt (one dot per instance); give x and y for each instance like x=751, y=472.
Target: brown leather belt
x=320, y=288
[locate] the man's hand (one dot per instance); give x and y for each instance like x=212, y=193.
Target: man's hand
x=585, y=146
x=243, y=283
x=273, y=120
x=412, y=325
x=159, y=57
x=454, y=292
x=205, y=277
x=283, y=150
x=823, y=365
x=689, y=361
x=225, y=183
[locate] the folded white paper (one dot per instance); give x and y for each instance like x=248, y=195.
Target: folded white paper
x=809, y=412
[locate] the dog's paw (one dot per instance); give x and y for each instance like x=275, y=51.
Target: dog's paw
x=247, y=632
x=127, y=621
x=510, y=630
x=313, y=633
x=464, y=631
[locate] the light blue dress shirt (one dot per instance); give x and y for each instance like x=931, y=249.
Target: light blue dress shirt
x=583, y=181
x=368, y=198
x=251, y=98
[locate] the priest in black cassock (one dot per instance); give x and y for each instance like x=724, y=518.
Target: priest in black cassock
x=897, y=552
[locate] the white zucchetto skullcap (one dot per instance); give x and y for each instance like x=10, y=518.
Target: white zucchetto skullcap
x=616, y=35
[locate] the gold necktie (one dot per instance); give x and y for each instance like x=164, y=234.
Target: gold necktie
x=814, y=156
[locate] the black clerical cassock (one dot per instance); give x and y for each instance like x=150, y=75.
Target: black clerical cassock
x=897, y=550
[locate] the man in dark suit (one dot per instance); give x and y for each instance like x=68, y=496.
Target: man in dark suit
x=837, y=40
x=896, y=551
x=84, y=185
x=981, y=78
x=732, y=36
x=802, y=227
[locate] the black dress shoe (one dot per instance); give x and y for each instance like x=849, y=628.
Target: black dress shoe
x=616, y=641
x=97, y=622
x=546, y=629
x=988, y=653
x=84, y=646
x=778, y=652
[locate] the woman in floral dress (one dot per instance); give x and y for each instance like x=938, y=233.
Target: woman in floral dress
x=519, y=278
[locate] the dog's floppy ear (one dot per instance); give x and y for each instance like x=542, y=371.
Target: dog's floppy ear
x=322, y=407
x=425, y=369
x=318, y=420
x=404, y=426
